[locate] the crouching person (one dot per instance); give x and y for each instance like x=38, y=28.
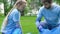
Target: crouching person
x=11, y=23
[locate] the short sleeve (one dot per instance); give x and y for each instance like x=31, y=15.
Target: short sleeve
x=16, y=17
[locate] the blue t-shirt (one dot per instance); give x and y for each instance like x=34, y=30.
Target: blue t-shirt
x=52, y=15
x=13, y=20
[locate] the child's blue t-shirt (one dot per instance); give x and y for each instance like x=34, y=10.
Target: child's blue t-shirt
x=13, y=20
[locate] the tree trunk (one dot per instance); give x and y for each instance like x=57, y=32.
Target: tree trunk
x=5, y=7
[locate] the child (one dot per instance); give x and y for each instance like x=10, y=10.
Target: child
x=11, y=22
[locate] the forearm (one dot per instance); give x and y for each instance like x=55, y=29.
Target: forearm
x=37, y=22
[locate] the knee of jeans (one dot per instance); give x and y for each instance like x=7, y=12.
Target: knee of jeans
x=2, y=33
x=44, y=25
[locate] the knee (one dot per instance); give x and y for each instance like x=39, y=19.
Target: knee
x=43, y=25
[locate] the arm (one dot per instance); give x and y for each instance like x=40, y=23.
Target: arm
x=59, y=17
x=16, y=19
x=39, y=16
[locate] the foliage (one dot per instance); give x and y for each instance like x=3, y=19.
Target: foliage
x=57, y=1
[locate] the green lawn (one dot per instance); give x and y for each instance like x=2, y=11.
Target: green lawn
x=27, y=23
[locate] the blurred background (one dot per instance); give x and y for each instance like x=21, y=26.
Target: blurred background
x=28, y=16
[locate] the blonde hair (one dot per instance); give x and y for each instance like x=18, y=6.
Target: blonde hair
x=6, y=18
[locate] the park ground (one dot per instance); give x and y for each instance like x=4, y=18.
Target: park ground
x=27, y=23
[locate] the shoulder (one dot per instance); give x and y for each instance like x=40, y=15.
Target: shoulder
x=56, y=6
x=41, y=9
x=15, y=11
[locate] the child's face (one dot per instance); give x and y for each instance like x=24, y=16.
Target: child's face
x=21, y=7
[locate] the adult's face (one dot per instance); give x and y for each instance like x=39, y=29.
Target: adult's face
x=47, y=4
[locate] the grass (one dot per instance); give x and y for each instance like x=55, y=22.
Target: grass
x=27, y=23
x=1, y=20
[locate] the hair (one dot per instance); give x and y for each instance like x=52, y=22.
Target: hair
x=6, y=18
x=18, y=2
x=49, y=1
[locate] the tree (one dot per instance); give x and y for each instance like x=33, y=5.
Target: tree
x=7, y=6
x=1, y=1
x=57, y=1
x=32, y=4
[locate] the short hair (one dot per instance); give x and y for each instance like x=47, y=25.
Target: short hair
x=49, y=1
